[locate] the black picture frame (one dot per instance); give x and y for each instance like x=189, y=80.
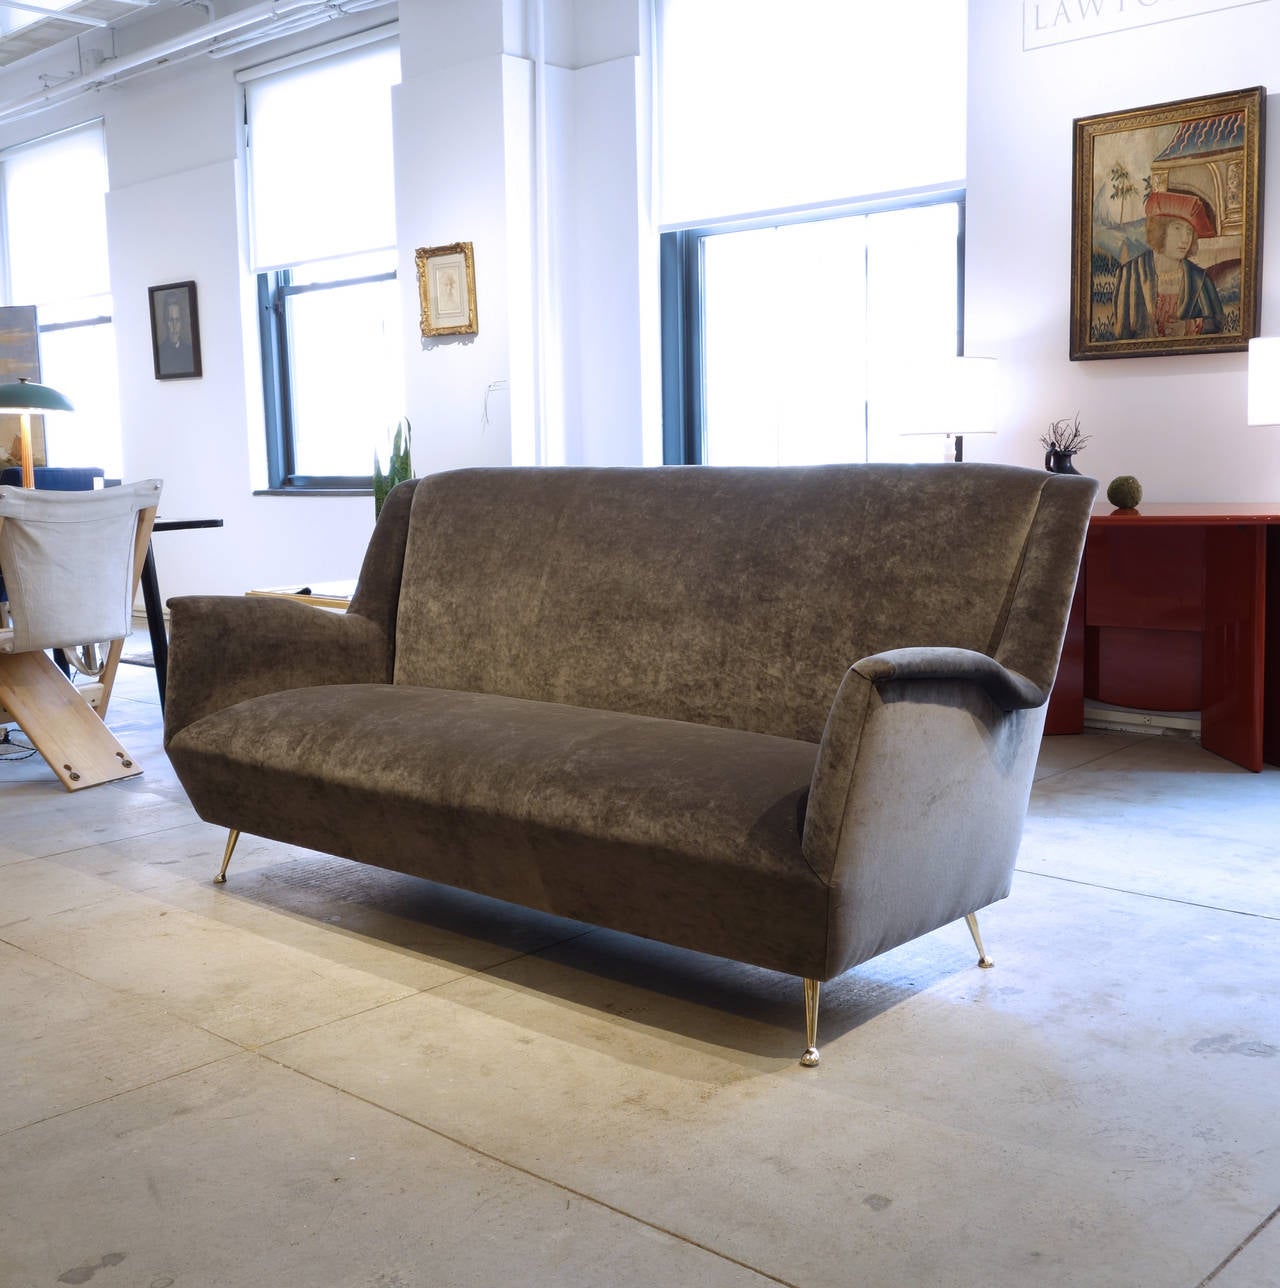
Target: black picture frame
x=175, y=351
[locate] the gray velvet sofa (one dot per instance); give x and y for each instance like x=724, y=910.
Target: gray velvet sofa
x=785, y=716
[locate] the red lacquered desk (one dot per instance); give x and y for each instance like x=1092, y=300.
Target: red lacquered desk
x=1178, y=609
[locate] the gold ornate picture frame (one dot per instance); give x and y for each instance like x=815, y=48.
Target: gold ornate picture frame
x=1166, y=245
x=447, y=289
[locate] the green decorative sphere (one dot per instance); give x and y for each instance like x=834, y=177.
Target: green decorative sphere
x=1124, y=492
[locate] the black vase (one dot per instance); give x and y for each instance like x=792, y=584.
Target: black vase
x=1059, y=462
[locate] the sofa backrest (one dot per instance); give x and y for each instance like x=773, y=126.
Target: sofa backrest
x=727, y=596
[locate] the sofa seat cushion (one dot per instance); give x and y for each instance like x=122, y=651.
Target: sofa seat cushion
x=693, y=831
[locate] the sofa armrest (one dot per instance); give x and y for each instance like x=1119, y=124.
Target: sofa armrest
x=919, y=793
x=1007, y=689
x=228, y=648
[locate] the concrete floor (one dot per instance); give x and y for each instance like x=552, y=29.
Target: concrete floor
x=330, y=1076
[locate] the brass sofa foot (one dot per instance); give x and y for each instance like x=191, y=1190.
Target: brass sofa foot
x=811, y=1057
x=983, y=960
x=232, y=837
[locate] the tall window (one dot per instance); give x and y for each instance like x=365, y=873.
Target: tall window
x=812, y=216
x=55, y=257
x=795, y=332
x=322, y=226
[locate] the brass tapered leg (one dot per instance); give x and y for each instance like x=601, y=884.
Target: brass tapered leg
x=232, y=837
x=810, y=1058
x=983, y=960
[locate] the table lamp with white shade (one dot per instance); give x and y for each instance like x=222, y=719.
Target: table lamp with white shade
x=25, y=396
x=1264, y=381
x=955, y=397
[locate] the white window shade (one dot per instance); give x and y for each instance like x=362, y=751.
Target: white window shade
x=16, y=19
x=55, y=220
x=768, y=107
x=321, y=160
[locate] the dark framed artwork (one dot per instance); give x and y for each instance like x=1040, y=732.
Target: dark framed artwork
x=1166, y=242
x=20, y=356
x=175, y=331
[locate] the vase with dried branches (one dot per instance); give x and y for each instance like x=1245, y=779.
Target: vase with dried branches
x=1063, y=440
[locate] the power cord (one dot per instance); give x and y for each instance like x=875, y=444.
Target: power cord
x=11, y=750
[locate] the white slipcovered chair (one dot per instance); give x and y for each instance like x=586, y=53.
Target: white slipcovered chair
x=71, y=563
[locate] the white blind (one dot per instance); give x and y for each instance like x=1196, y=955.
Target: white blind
x=321, y=174
x=16, y=19
x=55, y=218
x=764, y=106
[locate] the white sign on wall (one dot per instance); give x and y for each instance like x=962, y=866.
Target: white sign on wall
x=1054, y=22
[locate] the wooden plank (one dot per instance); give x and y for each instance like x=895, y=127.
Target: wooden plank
x=60, y=724
x=323, y=594
x=141, y=542
x=91, y=693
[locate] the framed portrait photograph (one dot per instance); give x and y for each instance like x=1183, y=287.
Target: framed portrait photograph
x=1166, y=240
x=175, y=331
x=447, y=289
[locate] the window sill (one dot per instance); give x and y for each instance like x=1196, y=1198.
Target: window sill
x=313, y=491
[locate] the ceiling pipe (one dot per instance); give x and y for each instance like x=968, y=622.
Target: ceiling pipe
x=266, y=12
x=229, y=46
x=233, y=45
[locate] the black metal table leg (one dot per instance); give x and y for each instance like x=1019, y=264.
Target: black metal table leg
x=155, y=622
x=154, y=605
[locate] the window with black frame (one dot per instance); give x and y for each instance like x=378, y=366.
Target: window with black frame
x=322, y=224
x=812, y=217
x=864, y=300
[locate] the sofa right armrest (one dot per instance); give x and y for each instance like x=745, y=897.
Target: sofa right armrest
x=227, y=648
x=1007, y=689
x=918, y=796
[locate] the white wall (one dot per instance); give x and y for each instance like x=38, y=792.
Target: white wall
x=604, y=334
x=1177, y=423
x=609, y=266
x=464, y=153
x=567, y=325
x=455, y=190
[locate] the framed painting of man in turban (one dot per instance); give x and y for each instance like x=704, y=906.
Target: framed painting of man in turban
x=1166, y=228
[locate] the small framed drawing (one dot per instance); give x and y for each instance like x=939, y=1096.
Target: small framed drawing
x=175, y=331
x=1166, y=216
x=447, y=289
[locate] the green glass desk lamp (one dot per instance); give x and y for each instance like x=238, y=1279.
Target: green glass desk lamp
x=25, y=396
